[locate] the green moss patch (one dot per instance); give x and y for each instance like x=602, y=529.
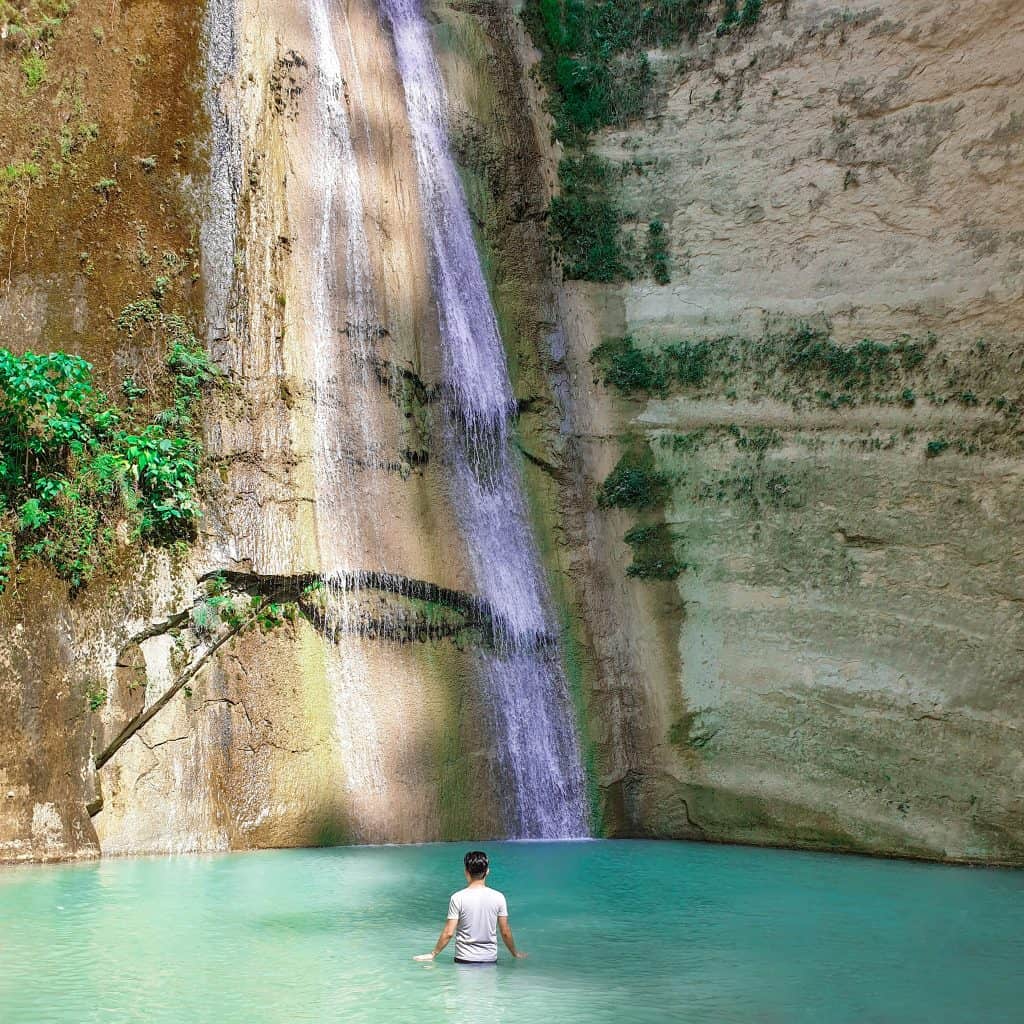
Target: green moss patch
x=635, y=483
x=595, y=65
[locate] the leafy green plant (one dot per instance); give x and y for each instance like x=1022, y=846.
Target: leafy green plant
x=96, y=697
x=657, y=252
x=733, y=16
x=810, y=350
x=689, y=362
x=20, y=171
x=630, y=369
x=654, y=555
x=33, y=67
x=6, y=559
x=936, y=447
x=635, y=482
x=132, y=391
x=593, y=59
x=585, y=222
x=597, y=72
x=73, y=464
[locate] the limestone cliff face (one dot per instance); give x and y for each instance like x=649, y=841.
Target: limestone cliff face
x=838, y=665
x=360, y=720
x=366, y=730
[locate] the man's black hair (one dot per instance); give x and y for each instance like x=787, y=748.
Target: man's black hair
x=476, y=864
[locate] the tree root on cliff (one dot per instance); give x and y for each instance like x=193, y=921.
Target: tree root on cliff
x=154, y=709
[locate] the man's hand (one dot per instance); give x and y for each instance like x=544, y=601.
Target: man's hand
x=425, y=957
x=520, y=956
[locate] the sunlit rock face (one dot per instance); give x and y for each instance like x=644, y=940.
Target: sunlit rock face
x=345, y=476
x=836, y=664
x=342, y=459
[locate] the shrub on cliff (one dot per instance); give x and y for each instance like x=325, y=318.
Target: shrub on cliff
x=635, y=483
x=74, y=465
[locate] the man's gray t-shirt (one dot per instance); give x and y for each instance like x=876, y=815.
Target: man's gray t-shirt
x=477, y=910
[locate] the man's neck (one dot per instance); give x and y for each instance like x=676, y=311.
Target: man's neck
x=477, y=883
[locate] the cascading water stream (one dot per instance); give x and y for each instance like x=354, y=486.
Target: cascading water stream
x=219, y=226
x=538, y=755
x=343, y=316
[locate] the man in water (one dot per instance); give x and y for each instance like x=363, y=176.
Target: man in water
x=474, y=915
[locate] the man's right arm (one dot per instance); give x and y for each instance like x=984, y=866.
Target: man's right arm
x=506, y=937
x=447, y=931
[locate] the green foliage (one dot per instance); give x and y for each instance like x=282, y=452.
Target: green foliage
x=796, y=364
x=593, y=58
x=96, y=697
x=33, y=67
x=754, y=485
x=935, y=447
x=689, y=362
x=735, y=17
x=757, y=441
x=239, y=612
x=629, y=368
x=684, y=443
x=635, y=483
x=811, y=351
x=20, y=171
x=105, y=187
x=6, y=559
x=73, y=464
x=132, y=391
x=597, y=72
x=585, y=221
x=657, y=252
x=654, y=553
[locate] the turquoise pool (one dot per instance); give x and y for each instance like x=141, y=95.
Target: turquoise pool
x=616, y=931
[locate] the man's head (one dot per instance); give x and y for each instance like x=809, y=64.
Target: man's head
x=476, y=865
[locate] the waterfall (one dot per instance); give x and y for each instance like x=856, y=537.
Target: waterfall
x=218, y=231
x=539, y=767
x=344, y=429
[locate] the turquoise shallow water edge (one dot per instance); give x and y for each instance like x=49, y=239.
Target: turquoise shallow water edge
x=617, y=931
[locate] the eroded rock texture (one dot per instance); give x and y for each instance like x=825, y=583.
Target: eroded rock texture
x=838, y=665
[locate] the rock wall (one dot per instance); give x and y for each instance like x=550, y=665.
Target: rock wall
x=367, y=729
x=838, y=665
x=360, y=719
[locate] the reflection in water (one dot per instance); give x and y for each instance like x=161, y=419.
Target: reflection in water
x=475, y=996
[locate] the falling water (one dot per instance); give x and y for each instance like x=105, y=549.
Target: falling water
x=219, y=227
x=344, y=427
x=538, y=756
